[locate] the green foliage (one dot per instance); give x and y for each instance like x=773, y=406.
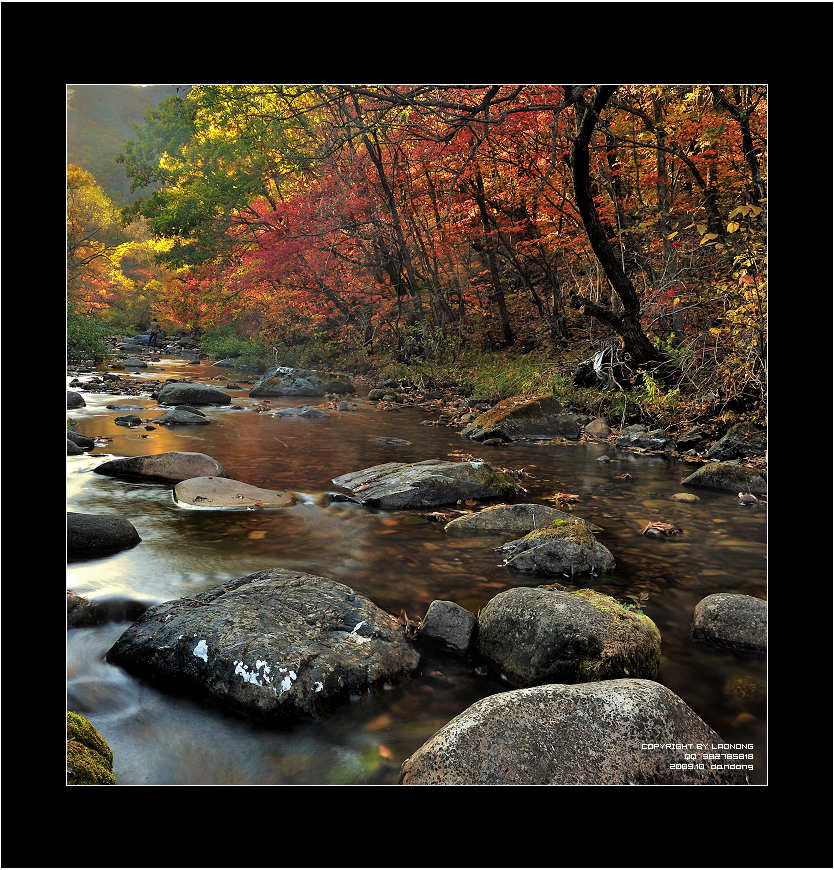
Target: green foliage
x=637, y=602
x=225, y=342
x=85, y=335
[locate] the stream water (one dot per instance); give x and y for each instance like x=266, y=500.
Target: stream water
x=399, y=560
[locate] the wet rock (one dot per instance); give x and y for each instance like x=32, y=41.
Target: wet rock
x=733, y=621
x=75, y=400
x=190, y=409
x=344, y=405
x=179, y=417
x=83, y=441
x=563, y=548
x=134, y=363
x=128, y=420
x=727, y=476
x=514, y=518
x=523, y=417
x=98, y=535
x=426, y=484
x=743, y=439
x=692, y=437
x=124, y=406
x=73, y=449
x=448, y=624
x=221, y=492
x=568, y=735
x=305, y=411
x=685, y=497
x=274, y=644
x=81, y=612
x=391, y=442
x=181, y=393
x=532, y=636
x=639, y=436
x=284, y=381
x=171, y=467
x=89, y=758
x=599, y=428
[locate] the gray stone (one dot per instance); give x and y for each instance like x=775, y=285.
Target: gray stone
x=275, y=644
x=75, y=400
x=128, y=420
x=99, y=535
x=589, y=734
x=638, y=436
x=284, y=381
x=134, y=363
x=727, y=476
x=223, y=493
x=733, y=621
x=743, y=439
x=305, y=411
x=73, y=449
x=171, y=467
x=179, y=417
x=190, y=409
x=532, y=636
x=514, y=518
x=691, y=437
x=426, y=484
x=83, y=441
x=180, y=393
x=599, y=428
x=449, y=624
x=523, y=417
x=567, y=549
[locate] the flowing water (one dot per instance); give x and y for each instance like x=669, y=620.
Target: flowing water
x=399, y=560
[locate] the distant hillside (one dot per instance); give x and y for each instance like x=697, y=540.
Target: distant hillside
x=99, y=119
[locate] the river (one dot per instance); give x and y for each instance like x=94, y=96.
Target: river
x=399, y=560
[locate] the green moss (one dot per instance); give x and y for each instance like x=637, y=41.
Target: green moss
x=494, y=480
x=89, y=758
x=562, y=529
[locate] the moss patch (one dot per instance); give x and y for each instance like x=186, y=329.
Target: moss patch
x=494, y=480
x=89, y=758
x=562, y=529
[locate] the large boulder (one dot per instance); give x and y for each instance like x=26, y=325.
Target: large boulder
x=180, y=417
x=89, y=758
x=591, y=734
x=221, y=493
x=532, y=636
x=83, y=441
x=75, y=400
x=73, y=449
x=727, y=476
x=171, y=467
x=524, y=417
x=649, y=439
x=99, y=534
x=426, y=484
x=743, y=439
x=563, y=548
x=283, y=381
x=514, y=518
x=181, y=393
x=271, y=645
x=733, y=621
x=449, y=625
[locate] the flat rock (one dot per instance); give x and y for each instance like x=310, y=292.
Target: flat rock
x=568, y=735
x=223, y=493
x=99, y=534
x=743, y=439
x=75, y=400
x=514, y=518
x=190, y=409
x=688, y=497
x=523, y=417
x=274, y=644
x=727, y=476
x=448, y=624
x=732, y=621
x=426, y=484
x=180, y=393
x=179, y=417
x=284, y=381
x=134, y=363
x=391, y=442
x=128, y=420
x=564, y=548
x=532, y=636
x=171, y=467
x=305, y=411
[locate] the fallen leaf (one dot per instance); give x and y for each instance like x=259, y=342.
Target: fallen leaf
x=257, y=536
x=378, y=723
x=659, y=528
x=625, y=476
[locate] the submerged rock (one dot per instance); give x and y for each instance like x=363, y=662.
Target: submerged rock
x=727, y=476
x=523, y=417
x=568, y=735
x=89, y=758
x=181, y=417
x=270, y=645
x=514, y=518
x=561, y=548
x=284, y=381
x=75, y=400
x=532, y=636
x=743, y=439
x=223, y=493
x=448, y=624
x=99, y=534
x=426, y=484
x=180, y=393
x=689, y=497
x=733, y=621
x=304, y=411
x=171, y=467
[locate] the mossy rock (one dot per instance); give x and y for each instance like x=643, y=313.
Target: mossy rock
x=727, y=476
x=522, y=417
x=562, y=548
x=89, y=758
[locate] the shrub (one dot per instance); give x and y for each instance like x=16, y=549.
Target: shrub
x=85, y=335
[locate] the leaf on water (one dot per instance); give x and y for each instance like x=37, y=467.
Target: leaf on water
x=659, y=528
x=378, y=723
x=257, y=535
x=625, y=476
x=385, y=752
